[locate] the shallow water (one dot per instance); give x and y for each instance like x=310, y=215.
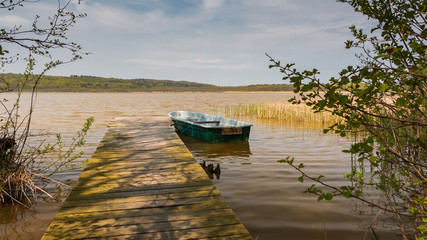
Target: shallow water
x=265, y=194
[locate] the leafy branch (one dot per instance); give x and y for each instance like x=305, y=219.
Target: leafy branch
x=383, y=101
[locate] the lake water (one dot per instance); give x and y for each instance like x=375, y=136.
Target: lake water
x=264, y=194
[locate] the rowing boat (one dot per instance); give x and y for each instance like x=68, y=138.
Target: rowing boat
x=209, y=127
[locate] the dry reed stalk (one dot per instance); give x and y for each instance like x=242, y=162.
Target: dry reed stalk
x=282, y=111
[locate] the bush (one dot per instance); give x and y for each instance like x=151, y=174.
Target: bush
x=385, y=98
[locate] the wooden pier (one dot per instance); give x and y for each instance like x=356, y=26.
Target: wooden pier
x=143, y=183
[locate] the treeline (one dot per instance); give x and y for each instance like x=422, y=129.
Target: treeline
x=76, y=83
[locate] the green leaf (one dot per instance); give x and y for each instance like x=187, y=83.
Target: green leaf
x=383, y=87
x=401, y=102
x=296, y=79
x=414, y=211
x=400, y=112
x=329, y=196
x=421, y=101
x=372, y=159
x=288, y=160
x=301, y=179
x=342, y=100
x=346, y=194
x=423, y=229
x=306, y=88
x=319, y=177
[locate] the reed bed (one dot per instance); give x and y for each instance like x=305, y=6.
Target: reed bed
x=282, y=111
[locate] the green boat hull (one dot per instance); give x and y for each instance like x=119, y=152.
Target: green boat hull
x=214, y=135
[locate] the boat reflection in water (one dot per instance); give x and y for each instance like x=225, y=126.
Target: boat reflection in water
x=208, y=154
x=213, y=150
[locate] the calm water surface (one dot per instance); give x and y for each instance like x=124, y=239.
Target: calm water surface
x=265, y=194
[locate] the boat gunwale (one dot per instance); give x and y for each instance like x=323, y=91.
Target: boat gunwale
x=244, y=124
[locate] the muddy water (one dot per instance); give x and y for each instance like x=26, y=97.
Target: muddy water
x=265, y=194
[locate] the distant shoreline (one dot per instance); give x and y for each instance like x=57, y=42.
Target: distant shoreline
x=98, y=84
x=207, y=92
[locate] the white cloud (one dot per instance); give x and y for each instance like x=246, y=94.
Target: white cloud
x=108, y=17
x=199, y=63
x=209, y=61
x=12, y=21
x=213, y=3
x=101, y=15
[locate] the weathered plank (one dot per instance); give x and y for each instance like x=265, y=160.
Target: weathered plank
x=143, y=183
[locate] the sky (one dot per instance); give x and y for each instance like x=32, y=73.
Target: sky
x=220, y=42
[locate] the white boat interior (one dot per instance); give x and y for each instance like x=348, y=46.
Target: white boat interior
x=206, y=120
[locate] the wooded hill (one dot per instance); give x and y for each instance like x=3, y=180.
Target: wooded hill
x=99, y=84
